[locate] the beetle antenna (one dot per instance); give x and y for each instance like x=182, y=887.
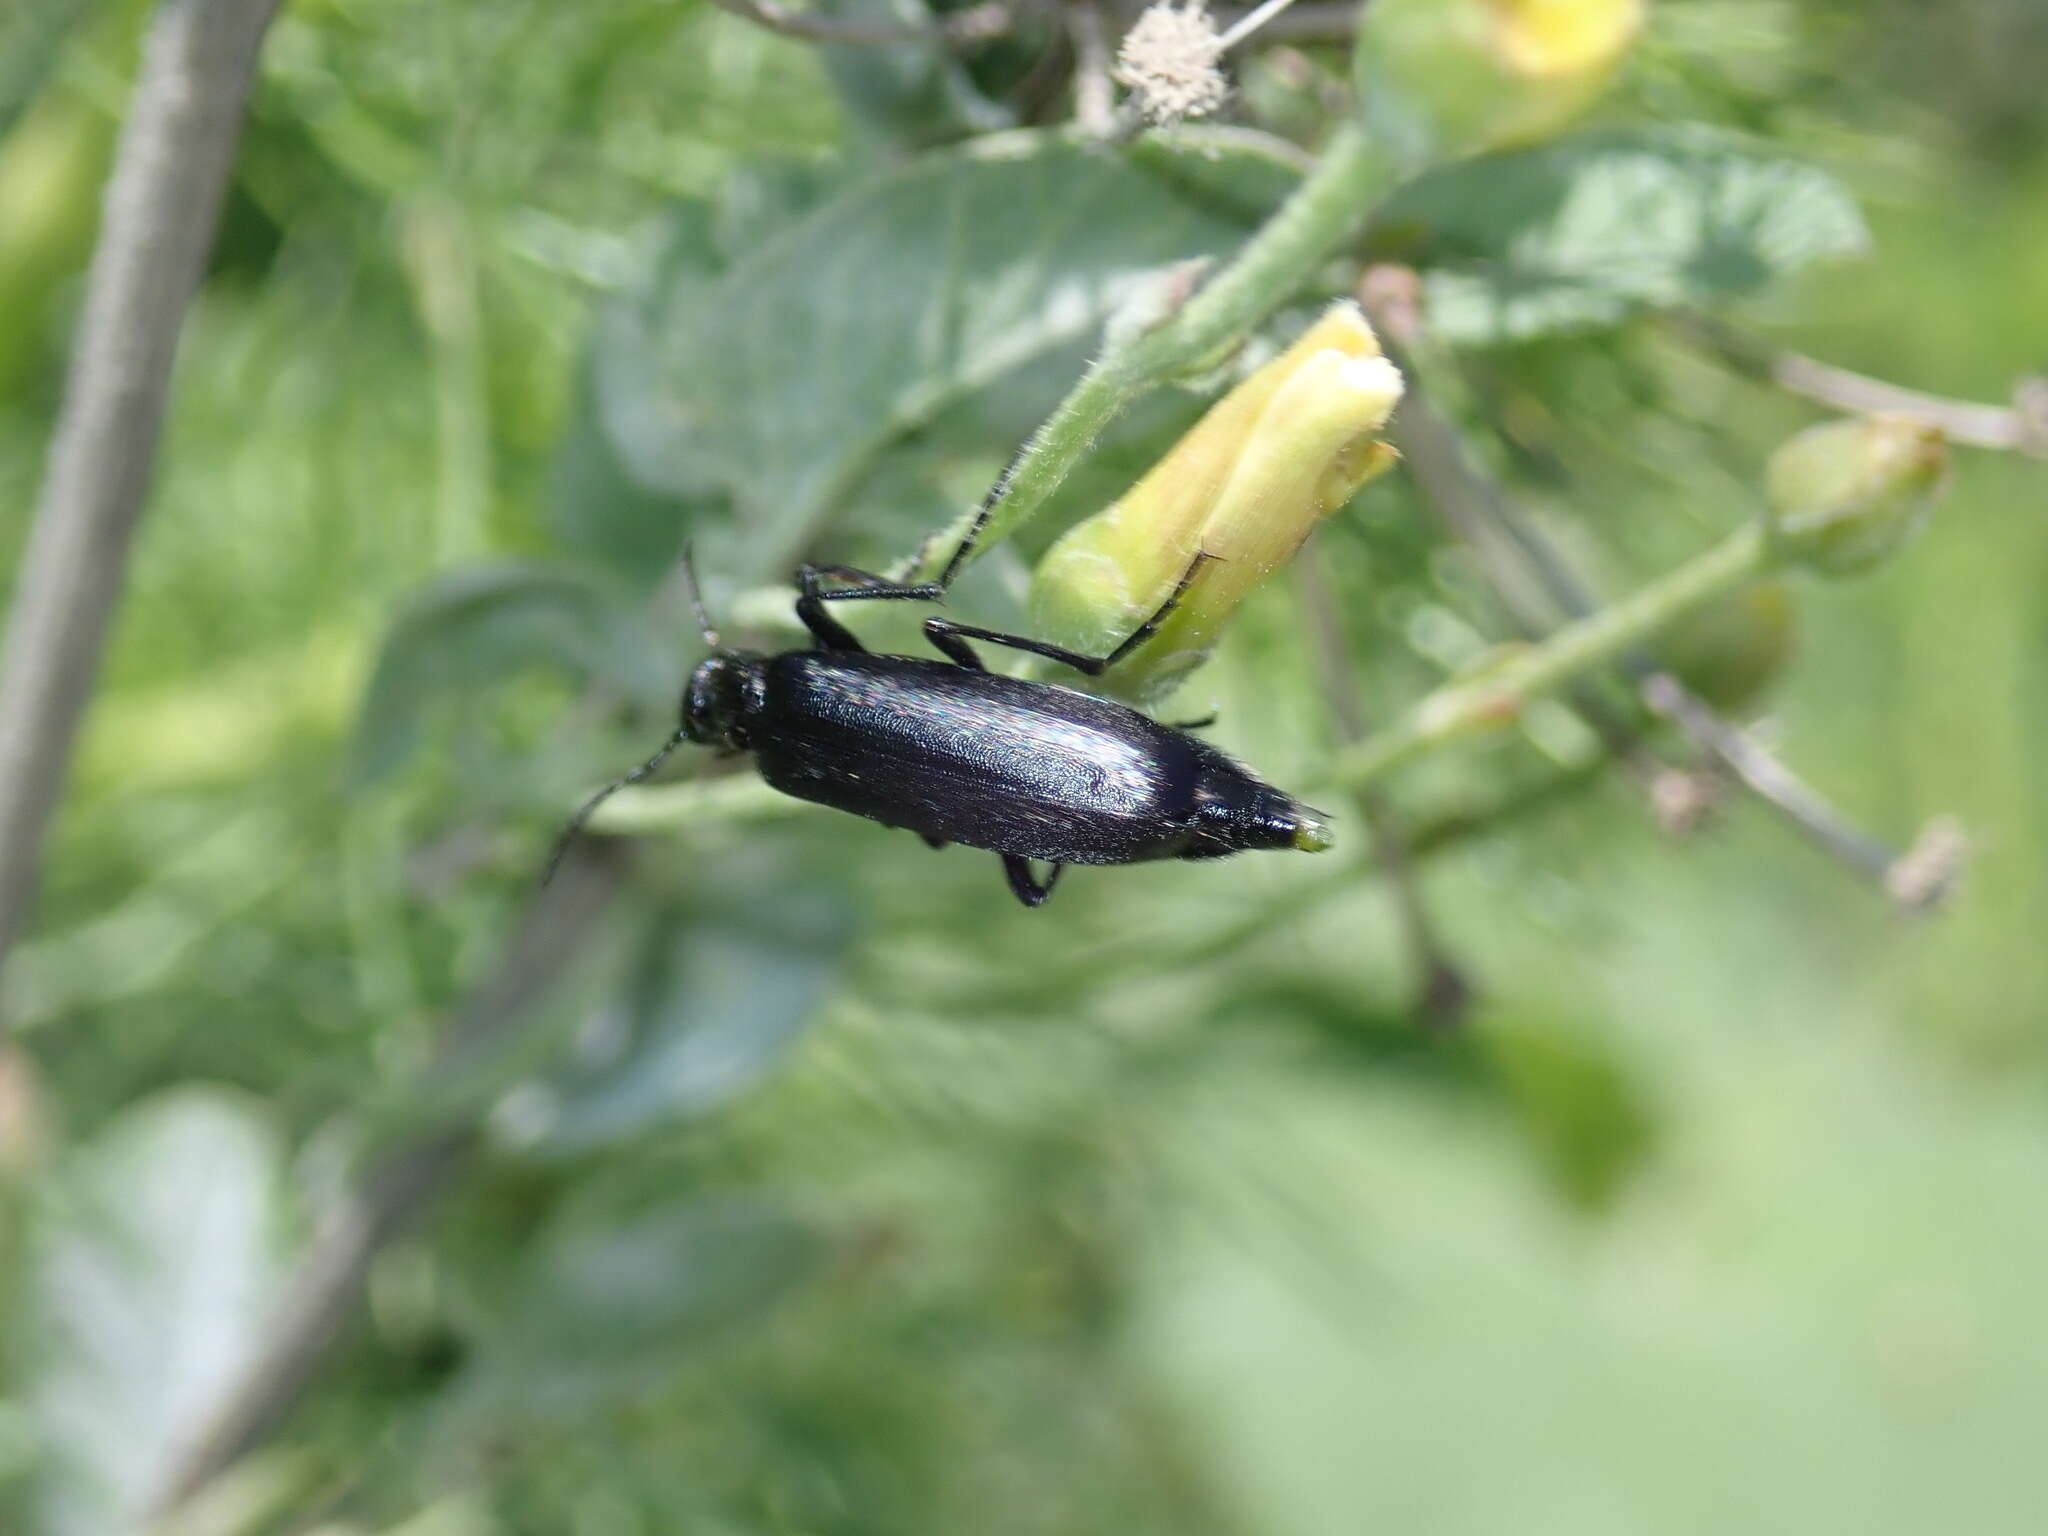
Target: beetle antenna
x=576, y=822
x=696, y=591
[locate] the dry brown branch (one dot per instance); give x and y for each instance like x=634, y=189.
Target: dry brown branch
x=162, y=204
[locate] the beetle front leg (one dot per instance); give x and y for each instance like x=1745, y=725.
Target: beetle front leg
x=830, y=634
x=813, y=595
x=1026, y=887
x=861, y=585
x=951, y=637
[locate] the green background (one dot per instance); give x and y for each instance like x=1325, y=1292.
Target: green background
x=834, y=1192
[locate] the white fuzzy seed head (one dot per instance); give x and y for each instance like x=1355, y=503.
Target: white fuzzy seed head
x=1168, y=61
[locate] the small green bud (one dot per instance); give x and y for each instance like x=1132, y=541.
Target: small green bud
x=1847, y=494
x=1246, y=485
x=1443, y=78
x=1728, y=653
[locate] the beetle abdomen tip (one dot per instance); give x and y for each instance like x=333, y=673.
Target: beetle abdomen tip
x=1312, y=834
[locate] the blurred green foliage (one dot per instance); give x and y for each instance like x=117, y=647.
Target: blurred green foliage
x=833, y=1193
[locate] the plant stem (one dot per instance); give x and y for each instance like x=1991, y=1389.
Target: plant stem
x=1534, y=581
x=1442, y=993
x=2019, y=428
x=169, y=176
x=1276, y=263
x=960, y=29
x=1464, y=708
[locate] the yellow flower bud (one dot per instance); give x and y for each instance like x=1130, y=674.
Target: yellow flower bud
x=1444, y=78
x=1246, y=485
x=1849, y=493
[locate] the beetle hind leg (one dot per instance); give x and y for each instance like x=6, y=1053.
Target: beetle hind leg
x=952, y=637
x=1024, y=885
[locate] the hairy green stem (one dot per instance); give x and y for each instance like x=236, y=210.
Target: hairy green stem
x=1464, y=708
x=1310, y=227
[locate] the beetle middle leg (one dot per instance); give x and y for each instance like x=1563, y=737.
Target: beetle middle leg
x=869, y=586
x=1024, y=885
x=951, y=637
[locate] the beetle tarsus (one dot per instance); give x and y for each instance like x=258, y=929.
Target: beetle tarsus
x=1028, y=889
x=862, y=584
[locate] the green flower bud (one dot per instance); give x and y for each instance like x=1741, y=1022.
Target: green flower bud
x=1847, y=494
x=1728, y=653
x=1444, y=78
x=1246, y=485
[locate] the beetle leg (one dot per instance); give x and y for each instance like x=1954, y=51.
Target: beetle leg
x=982, y=514
x=1027, y=889
x=830, y=634
x=862, y=584
x=813, y=595
x=932, y=842
x=1194, y=725
x=946, y=638
x=867, y=585
x=942, y=631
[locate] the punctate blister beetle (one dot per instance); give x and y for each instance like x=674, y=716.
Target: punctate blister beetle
x=958, y=754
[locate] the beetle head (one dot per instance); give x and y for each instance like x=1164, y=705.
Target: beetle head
x=716, y=703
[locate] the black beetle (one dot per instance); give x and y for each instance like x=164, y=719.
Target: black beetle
x=959, y=754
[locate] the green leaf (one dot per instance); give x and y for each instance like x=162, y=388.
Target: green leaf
x=32, y=38
x=152, y=1269
x=481, y=625
x=905, y=95
x=1576, y=235
x=613, y=1306
x=783, y=380
x=717, y=992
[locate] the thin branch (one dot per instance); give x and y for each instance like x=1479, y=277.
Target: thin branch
x=162, y=205
x=1470, y=706
x=1301, y=21
x=1308, y=21
x=1481, y=510
x=960, y=29
x=1535, y=588
x=2019, y=428
x=1094, y=91
x=1254, y=20
x=1770, y=780
x=321, y=1297
x=1444, y=994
